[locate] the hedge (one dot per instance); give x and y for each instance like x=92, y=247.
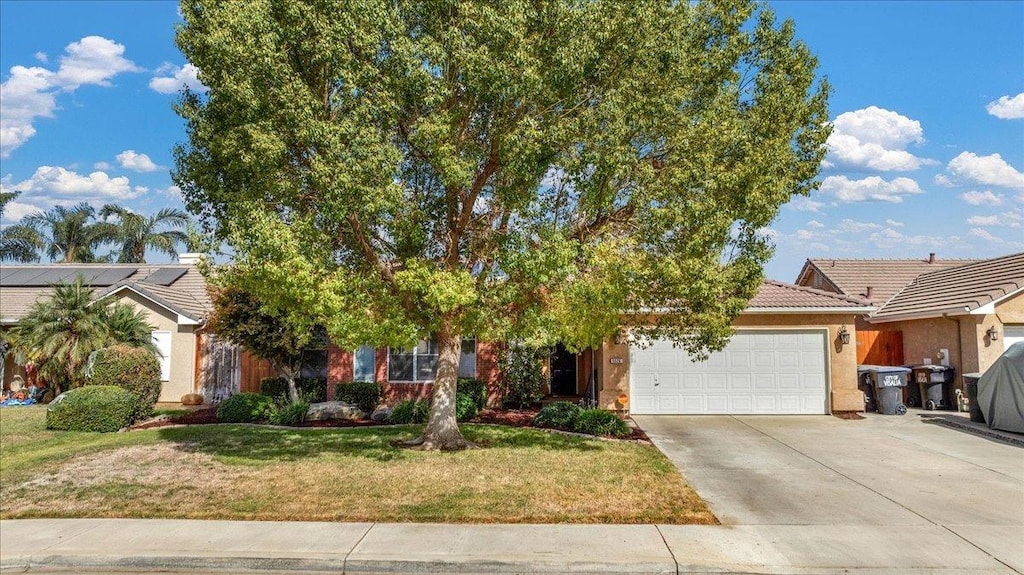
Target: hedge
x=363, y=394
x=102, y=408
x=131, y=368
x=247, y=408
x=312, y=389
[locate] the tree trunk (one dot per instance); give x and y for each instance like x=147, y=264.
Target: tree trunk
x=442, y=431
x=289, y=373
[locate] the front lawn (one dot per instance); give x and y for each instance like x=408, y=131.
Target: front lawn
x=347, y=474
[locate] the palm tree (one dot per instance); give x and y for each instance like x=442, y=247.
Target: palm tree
x=69, y=234
x=60, y=333
x=18, y=243
x=135, y=232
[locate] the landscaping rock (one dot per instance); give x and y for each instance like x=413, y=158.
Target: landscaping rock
x=333, y=410
x=381, y=415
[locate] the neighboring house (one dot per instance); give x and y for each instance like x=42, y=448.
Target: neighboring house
x=172, y=296
x=963, y=313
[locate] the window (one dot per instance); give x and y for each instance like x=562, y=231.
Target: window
x=467, y=360
x=420, y=363
x=363, y=361
x=162, y=341
x=314, y=364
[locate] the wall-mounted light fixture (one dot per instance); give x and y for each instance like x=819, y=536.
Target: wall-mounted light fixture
x=844, y=335
x=618, y=337
x=992, y=333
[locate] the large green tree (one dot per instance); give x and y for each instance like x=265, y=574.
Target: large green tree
x=134, y=233
x=539, y=170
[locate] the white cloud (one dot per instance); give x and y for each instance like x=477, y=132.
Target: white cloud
x=970, y=168
x=30, y=92
x=132, y=160
x=985, y=198
x=889, y=238
x=894, y=223
x=174, y=78
x=171, y=191
x=54, y=183
x=805, y=204
x=870, y=189
x=876, y=139
x=1003, y=220
x=42, y=57
x=14, y=210
x=855, y=227
x=102, y=166
x=1007, y=108
x=815, y=224
x=984, y=234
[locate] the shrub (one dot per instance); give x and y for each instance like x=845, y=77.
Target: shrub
x=131, y=368
x=409, y=411
x=558, y=415
x=523, y=377
x=475, y=389
x=600, y=422
x=312, y=389
x=465, y=407
x=292, y=414
x=363, y=394
x=92, y=408
x=246, y=408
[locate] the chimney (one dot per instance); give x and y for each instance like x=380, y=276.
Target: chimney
x=931, y=258
x=870, y=292
x=190, y=258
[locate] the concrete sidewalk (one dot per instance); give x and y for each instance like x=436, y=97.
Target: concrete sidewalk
x=139, y=545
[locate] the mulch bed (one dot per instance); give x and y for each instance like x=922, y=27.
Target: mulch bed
x=509, y=417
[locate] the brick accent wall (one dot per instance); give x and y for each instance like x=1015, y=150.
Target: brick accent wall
x=487, y=354
x=339, y=368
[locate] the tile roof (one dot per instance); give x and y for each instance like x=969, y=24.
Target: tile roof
x=774, y=295
x=186, y=293
x=957, y=290
x=885, y=277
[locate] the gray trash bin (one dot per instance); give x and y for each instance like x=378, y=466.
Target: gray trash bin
x=936, y=385
x=864, y=383
x=971, y=385
x=888, y=383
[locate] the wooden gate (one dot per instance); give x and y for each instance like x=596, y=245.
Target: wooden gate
x=253, y=370
x=879, y=347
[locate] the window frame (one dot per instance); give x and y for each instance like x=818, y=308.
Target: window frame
x=416, y=354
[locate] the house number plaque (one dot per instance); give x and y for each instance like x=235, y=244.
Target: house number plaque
x=616, y=360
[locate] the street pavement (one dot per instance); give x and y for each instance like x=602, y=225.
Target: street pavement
x=801, y=495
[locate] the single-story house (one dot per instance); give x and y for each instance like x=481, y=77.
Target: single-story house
x=173, y=298
x=793, y=350
x=788, y=356
x=961, y=313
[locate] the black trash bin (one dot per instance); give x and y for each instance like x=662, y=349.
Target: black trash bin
x=971, y=385
x=888, y=383
x=936, y=385
x=864, y=383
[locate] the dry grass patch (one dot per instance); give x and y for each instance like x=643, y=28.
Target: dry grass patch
x=229, y=472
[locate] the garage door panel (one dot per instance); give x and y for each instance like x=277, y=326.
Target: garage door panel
x=764, y=371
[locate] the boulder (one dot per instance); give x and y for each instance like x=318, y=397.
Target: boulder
x=381, y=415
x=192, y=399
x=333, y=410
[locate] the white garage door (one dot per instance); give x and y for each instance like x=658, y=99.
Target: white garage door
x=776, y=371
x=1012, y=334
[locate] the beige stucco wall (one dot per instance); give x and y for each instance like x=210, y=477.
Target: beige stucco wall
x=183, y=345
x=842, y=359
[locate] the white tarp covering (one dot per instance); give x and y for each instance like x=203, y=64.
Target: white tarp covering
x=1001, y=391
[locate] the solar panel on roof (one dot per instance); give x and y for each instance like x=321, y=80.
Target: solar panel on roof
x=165, y=276
x=48, y=276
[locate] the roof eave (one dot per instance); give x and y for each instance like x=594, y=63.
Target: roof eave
x=182, y=319
x=990, y=307
x=930, y=314
x=806, y=310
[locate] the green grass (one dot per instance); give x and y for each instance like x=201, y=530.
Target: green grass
x=171, y=412
x=244, y=472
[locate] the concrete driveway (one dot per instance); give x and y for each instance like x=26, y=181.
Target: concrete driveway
x=877, y=493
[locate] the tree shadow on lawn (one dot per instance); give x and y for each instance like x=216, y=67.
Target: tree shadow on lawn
x=260, y=444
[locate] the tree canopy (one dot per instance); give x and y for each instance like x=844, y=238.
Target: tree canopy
x=545, y=171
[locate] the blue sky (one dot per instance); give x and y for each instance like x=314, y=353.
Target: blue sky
x=928, y=104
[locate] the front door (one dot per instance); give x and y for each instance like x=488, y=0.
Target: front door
x=563, y=372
